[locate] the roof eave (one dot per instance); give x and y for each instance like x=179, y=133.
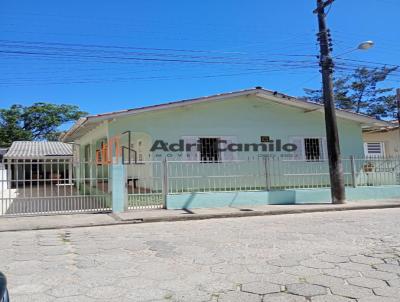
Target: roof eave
x=365, y=121
x=68, y=137
x=295, y=102
x=73, y=129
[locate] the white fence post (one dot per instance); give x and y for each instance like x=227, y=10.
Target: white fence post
x=165, y=182
x=353, y=171
x=267, y=174
x=9, y=174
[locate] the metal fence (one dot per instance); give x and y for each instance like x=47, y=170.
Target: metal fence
x=277, y=174
x=190, y=176
x=51, y=186
x=376, y=171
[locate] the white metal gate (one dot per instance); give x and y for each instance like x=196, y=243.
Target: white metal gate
x=145, y=185
x=53, y=186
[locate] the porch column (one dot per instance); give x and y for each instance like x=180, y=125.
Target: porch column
x=119, y=190
x=92, y=164
x=78, y=165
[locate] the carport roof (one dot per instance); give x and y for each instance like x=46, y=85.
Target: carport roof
x=38, y=150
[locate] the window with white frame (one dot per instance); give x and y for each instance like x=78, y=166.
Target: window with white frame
x=309, y=148
x=374, y=149
x=205, y=148
x=312, y=149
x=209, y=149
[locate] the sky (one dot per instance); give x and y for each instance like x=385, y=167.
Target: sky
x=110, y=55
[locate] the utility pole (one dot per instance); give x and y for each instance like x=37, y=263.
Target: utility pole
x=398, y=112
x=335, y=163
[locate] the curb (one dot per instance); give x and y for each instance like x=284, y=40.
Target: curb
x=255, y=213
x=333, y=208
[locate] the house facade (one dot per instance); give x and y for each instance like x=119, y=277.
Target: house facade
x=240, y=119
x=254, y=141
x=382, y=142
x=249, y=147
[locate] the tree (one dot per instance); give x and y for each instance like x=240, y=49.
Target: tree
x=11, y=126
x=41, y=121
x=359, y=93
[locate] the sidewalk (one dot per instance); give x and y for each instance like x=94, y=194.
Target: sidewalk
x=22, y=223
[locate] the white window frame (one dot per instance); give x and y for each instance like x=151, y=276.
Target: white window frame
x=382, y=147
x=301, y=154
x=223, y=155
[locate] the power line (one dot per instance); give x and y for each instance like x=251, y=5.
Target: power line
x=368, y=62
x=87, y=81
x=90, y=47
x=87, y=53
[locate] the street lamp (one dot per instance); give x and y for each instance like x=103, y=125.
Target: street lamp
x=366, y=45
x=362, y=46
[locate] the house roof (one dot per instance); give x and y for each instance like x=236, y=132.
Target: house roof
x=84, y=125
x=38, y=150
x=393, y=125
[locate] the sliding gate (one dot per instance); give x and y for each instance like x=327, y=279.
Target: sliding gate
x=53, y=186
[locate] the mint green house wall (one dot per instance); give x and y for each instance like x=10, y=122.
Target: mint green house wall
x=246, y=118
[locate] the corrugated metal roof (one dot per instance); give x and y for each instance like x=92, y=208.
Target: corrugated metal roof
x=34, y=150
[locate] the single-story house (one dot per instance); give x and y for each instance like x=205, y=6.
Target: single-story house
x=252, y=146
x=382, y=142
x=28, y=161
x=249, y=124
x=250, y=116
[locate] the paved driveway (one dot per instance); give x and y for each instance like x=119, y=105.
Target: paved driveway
x=49, y=198
x=348, y=256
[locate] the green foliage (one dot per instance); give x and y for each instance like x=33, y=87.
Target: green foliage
x=37, y=122
x=360, y=93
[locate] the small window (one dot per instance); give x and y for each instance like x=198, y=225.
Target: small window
x=312, y=149
x=209, y=149
x=87, y=153
x=374, y=149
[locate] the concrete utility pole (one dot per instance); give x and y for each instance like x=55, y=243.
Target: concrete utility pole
x=398, y=111
x=335, y=163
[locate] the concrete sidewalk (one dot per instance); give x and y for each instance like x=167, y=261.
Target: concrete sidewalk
x=23, y=223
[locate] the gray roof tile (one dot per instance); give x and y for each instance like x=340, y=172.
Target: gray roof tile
x=33, y=150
